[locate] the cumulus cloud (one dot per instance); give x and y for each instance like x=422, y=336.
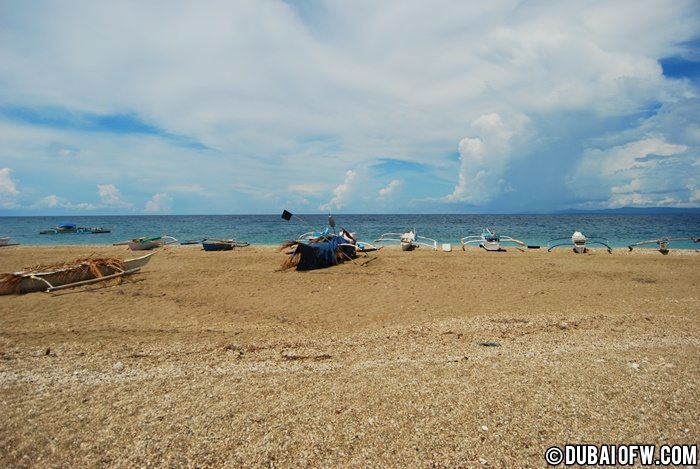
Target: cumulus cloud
x=390, y=189
x=408, y=76
x=341, y=193
x=645, y=172
x=307, y=189
x=111, y=196
x=8, y=189
x=53, y=201
x=159, y=203
x=484, y=158
x=7, y=185
x=186, y=188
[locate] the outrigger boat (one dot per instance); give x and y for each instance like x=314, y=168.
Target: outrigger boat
x=490, y=241
x=579, y=242
x=222, y=244
x=7, y=241
x=409, y=240
x=329, y=232
x=147, y=243
x=73, y=228
x=81, y=272
x=317, y=250
x=663, y=243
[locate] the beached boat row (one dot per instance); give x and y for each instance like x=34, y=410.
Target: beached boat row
x=318, y=249
x=311, y=250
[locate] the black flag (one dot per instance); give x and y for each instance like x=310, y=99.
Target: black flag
x=287, y=215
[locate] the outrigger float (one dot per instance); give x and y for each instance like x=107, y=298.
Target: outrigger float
x=663, y=243
x=579, y=242
x=490, y=241
x=409, y=240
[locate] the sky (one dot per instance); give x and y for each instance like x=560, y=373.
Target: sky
x=254, y=106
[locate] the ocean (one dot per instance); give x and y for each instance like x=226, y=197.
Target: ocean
x=620, y=230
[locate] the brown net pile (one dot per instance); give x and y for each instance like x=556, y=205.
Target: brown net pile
x=293, y=256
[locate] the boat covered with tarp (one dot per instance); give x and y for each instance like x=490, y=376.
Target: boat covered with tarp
x=321, y=249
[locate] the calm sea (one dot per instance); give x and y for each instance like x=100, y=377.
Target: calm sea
x=620, y=230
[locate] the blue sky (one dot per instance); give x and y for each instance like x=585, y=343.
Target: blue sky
x=235, y=107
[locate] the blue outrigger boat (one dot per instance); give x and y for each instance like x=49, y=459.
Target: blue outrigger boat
x=222, y=244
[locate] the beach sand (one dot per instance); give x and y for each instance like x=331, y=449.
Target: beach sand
x=220, y=359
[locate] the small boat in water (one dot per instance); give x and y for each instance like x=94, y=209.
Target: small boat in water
x=7, y=241
x=80, y=272
x=73, y=228
x=146, y=243
x=579, y=242
x=489, y=240
x=409, y=240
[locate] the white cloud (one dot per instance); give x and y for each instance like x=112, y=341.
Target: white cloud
x=186, y=188
x=53, y=201
x=8, y=188
x=159, y=203
x=390, y=189
x=484, y=158
x=111, y=196
x=308, y=189
x=643, y=172
x=341, y=193
x=263, y=83
x=695, y=196
x=66, y=152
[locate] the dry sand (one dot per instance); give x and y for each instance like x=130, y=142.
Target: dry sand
x=219, y=359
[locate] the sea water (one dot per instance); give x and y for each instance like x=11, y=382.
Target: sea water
x=620, y=230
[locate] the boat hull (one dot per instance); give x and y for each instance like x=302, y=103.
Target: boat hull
x=217, y=246
x=491, y=245
x=143, y=245
x=25, y=282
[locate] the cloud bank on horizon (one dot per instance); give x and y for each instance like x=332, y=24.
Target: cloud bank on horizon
x=363, y=107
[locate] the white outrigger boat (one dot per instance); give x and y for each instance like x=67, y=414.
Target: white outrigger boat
x=409, y=240
x=80, y=272
x=489, y=240
x=7, y=241
x=579, y=242
x=146, y=243
x=663, y=243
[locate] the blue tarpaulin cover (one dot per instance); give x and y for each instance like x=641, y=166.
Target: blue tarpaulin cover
x=320, y=255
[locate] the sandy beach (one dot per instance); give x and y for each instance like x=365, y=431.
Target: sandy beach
x=420, y=359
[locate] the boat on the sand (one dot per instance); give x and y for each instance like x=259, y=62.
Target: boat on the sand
x=72, y=274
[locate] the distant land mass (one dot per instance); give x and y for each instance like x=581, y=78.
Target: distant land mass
x=634, y=211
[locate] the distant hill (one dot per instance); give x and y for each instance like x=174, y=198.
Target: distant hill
x=635, y=211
